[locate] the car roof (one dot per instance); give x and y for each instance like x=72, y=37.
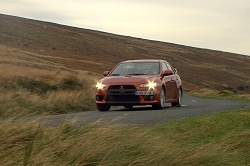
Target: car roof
x=143, y=60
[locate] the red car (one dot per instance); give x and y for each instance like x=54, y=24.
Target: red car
x=139, y=82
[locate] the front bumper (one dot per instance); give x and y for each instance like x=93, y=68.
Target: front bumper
x=141, y=101
x=119, y=96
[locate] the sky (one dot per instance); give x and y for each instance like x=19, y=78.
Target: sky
x=216, y=24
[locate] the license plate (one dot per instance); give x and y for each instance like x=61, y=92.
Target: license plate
x=144, y=93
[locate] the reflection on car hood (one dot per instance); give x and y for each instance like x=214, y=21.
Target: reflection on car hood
x=123, y=80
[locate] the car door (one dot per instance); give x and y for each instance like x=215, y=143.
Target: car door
x=169, y=82
x=174, y=80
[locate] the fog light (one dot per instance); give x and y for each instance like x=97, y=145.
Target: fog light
x=152, y=97
x=99, y=98
x=149, y=97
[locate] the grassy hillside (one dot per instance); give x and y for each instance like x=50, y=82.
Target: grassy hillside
x=34, y=45
x=49, y=68
x=217, y=139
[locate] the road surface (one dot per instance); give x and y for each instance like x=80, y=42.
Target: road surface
x=192, y=106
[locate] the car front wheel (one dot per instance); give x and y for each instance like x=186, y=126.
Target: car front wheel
x=162, y=100
x=103, y=107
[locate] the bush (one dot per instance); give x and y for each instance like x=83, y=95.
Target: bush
x=40, y=87
x=227, y=88
x=241, y=87
x=70, y=84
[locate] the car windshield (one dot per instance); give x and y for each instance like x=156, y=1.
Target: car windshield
x=136, y=68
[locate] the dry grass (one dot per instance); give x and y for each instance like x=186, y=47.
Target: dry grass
x=30, y=85
x=218, y=139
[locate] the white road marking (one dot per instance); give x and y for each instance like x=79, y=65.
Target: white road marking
x=193, y=101
x=183, y=105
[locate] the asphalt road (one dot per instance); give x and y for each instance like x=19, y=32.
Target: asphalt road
x=192, y=106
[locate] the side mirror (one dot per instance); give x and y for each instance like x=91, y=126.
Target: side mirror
x=105, y=73
x=175, y=71
x=167, y=73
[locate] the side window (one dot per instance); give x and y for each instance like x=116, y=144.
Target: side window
x=170, y=68
x=164, y=67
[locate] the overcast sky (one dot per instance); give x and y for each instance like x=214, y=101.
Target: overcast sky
x=216, y=24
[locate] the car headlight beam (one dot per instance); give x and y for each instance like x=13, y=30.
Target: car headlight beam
x=100, y=85
x=149, y=85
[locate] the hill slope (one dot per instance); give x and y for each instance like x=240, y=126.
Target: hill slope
x=34, y=44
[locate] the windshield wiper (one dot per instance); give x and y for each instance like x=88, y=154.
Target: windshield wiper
x=115, y=74
x=137, y=74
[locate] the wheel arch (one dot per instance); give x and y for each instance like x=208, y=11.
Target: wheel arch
x=163, y=86
x=181, y=90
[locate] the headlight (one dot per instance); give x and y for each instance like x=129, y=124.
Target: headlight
x=150, y=85
x=100, y=85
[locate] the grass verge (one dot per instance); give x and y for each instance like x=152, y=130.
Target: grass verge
x=217, y=139
x=223, y=94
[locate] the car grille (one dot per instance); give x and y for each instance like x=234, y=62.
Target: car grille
x=131, y=87
x=122, y=94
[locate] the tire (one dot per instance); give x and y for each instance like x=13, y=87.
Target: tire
x=128, y=106
x=162, y=100
x=179, y=102
x=103, y=107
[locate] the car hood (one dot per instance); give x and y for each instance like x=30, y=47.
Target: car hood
x=124, y=80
